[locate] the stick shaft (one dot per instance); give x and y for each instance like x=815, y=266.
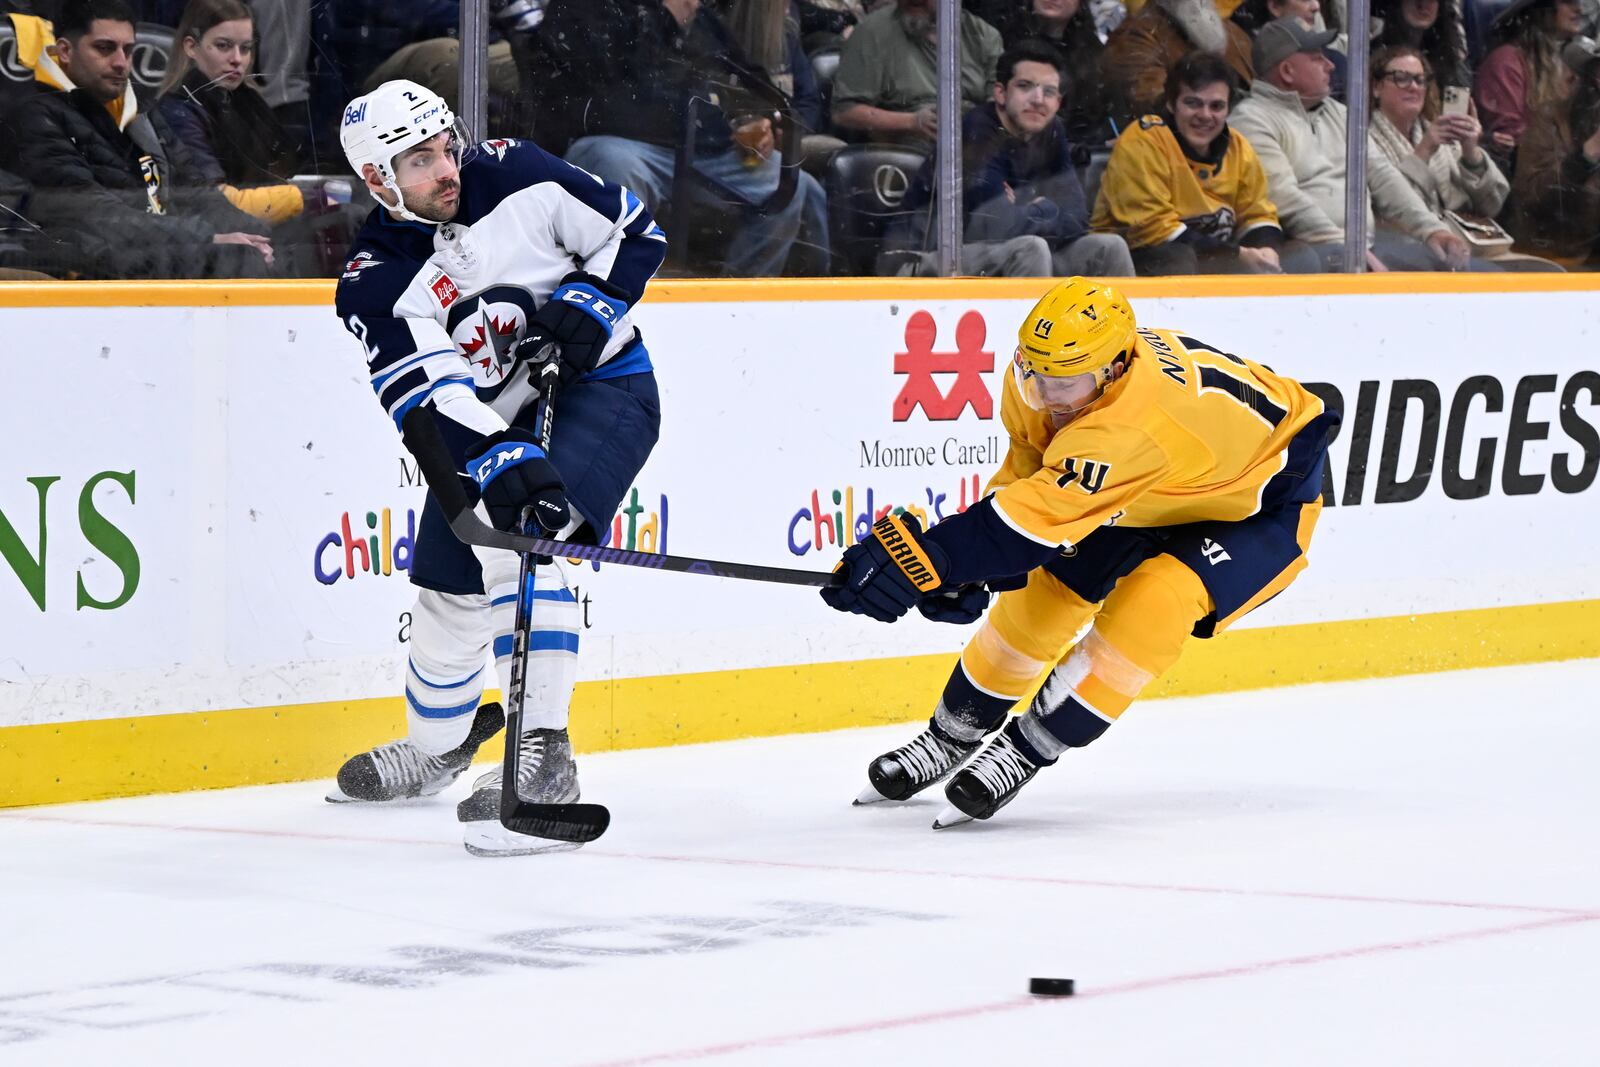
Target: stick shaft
x=424, y=441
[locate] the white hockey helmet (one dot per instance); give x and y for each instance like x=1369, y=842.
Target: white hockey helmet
x=395, y=116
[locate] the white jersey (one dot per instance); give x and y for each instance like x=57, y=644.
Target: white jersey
x=438, y=307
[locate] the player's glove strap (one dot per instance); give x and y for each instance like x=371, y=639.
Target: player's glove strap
x=580, y=315
x=886, y=575
x=512, y=472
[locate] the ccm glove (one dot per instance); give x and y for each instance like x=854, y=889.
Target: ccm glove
x=887, y=575
x=579, y=316
x=513, y=472
x=961, y=605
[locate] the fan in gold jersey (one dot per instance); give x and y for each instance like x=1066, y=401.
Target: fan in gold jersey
x=1156, y=488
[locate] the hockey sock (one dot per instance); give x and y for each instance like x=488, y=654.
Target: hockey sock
x=445, y=670
x=552, y=644
x=967, y=713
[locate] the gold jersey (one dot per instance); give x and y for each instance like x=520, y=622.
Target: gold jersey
x=1152, y=190
x=1188, y=433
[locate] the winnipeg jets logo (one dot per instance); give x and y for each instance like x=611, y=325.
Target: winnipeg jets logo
x=484, y=326
x=487, y=342
x=498, y=147
x=1213, y=552
x=361, y=262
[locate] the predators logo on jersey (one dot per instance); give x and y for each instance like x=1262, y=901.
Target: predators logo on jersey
x=1153, y=190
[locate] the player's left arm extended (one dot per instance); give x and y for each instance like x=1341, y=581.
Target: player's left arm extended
x=1003, y=536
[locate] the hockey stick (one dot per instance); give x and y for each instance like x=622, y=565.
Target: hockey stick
x=424, y=442
x=577, y=823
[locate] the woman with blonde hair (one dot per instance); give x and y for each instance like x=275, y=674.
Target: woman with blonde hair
x=237, y=142
x=1439, y=154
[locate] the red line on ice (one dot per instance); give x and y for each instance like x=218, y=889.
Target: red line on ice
x=1137, y=986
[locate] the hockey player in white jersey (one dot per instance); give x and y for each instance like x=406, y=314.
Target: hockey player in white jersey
x=477, y=256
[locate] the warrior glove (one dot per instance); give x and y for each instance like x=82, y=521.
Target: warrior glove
x=960, y=606
x=579, y=316
x=888, y=574
x=513, y=472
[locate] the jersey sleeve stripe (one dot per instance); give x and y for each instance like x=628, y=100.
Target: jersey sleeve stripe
x=427, y=392
x=381, y=377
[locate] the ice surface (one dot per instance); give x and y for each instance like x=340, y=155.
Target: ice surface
x=1396, y=872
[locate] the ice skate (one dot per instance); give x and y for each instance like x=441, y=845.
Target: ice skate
x=988, y=783
x=546, y=774
x=399, y=770
x=904, y=772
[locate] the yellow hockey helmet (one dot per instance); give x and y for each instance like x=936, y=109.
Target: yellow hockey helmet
x=1078, y=327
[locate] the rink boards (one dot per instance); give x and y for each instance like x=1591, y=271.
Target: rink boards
x=206, y=519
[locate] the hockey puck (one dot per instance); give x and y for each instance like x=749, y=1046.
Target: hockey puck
x=1050, y=987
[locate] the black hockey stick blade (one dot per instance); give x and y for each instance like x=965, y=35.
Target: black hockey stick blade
x=578, y=823
x=427, y=445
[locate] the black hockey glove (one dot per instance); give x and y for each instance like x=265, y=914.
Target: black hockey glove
x=961, y=605
x=886, y=575
x=579, y=317
x=512, y=472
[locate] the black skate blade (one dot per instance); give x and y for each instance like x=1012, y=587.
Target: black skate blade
x=578, y=823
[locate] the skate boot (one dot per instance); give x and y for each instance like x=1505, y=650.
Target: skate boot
x=988, y=783
x=400, y=770
x=906, y=771
x=546, y=774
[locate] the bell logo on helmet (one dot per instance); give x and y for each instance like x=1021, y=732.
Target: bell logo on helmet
x=355, y=113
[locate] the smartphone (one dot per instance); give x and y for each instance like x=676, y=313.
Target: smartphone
x=1456, y=98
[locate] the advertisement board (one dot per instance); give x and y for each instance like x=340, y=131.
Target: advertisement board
x=206, y=509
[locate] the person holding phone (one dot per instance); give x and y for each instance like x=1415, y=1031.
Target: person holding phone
x=1438, y=151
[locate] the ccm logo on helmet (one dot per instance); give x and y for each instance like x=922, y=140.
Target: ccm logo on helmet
x=491, y=463
x=425, y=116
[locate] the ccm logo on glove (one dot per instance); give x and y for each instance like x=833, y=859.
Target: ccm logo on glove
x=592, y=301
x=485, y=469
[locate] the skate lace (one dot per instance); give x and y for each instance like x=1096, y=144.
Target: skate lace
x=531, y=751
x=1001, y=767
x=926, y=756
x=401, y=761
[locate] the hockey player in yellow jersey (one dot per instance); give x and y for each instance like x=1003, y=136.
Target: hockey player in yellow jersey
x=1156, y=488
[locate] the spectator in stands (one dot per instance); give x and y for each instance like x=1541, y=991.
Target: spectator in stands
x=283, y=32
x=1069, y=26
x=113, y=180
x=888, y=79
x=1299, y=135
x=1433, y=28
x=1188, y=193
x=233, y=138
x=1019, y=179
x=1251, y=15
x=768, y=32
x=1438, y=154
x=621, y=76
x=826, y=23
x=1524, y=72
x=1146, y=45
x=1555, y=208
